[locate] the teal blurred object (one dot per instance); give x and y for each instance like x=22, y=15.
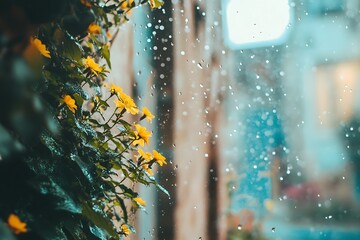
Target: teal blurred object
x=284, y=230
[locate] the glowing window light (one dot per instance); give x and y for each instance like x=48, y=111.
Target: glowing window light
x=255, y=23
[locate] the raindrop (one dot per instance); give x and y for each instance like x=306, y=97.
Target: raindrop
x=199, y=66
x=273, y=229
x=239, y=227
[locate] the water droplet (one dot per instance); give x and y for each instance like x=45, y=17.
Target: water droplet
x=239, y=227
x=199, y=66
x=273, y=229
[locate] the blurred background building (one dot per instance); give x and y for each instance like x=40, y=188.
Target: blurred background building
x=257, y=106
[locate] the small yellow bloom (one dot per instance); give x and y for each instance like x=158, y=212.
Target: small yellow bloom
x=147, y=114
x=142, y=135
x=70, y=102
x=94, y=28
x=41, y=47
x=16, y=224
x=125, y=229
x=126, y=4
x=147, y=169
x=126, y=102
x=160, y=159
x=147, y=156
x=108, y=35
x=155, y=3
x=113, y=88
x=92, y=65
x=140, y=201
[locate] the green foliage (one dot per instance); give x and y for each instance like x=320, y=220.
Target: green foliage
x=67, y=165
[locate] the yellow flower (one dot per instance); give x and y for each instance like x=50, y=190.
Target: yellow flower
x=126, y=102
x=70, y=102
x=94, y=28
x=140, y=201
x=108, y=35
x=142, y=135
x=113, y=88
x=125, y=229
x=41, y=47
x=147, y=169
x=147, y=156
x=160, y=159
x=96, y=99
x=16, y=224
x=94, y=67
x=155, y=3
x=126, y=4
x=147, y=114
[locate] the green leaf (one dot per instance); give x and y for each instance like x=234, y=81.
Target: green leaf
x=84, y=167
x=98, y=232
x=85, y=128
x=99, y=219
x=123, y=208
x=95, y=122
x=75, y=88
x=63, y=202
x=52, y=144
x=106, y=54
x=72, y=49
x=119, y=145
x=128, y=192
x=79, y=100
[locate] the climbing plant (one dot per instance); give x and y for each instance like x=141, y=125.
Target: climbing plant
x=69, y=159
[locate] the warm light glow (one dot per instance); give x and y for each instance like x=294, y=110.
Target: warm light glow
x=254, y=23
